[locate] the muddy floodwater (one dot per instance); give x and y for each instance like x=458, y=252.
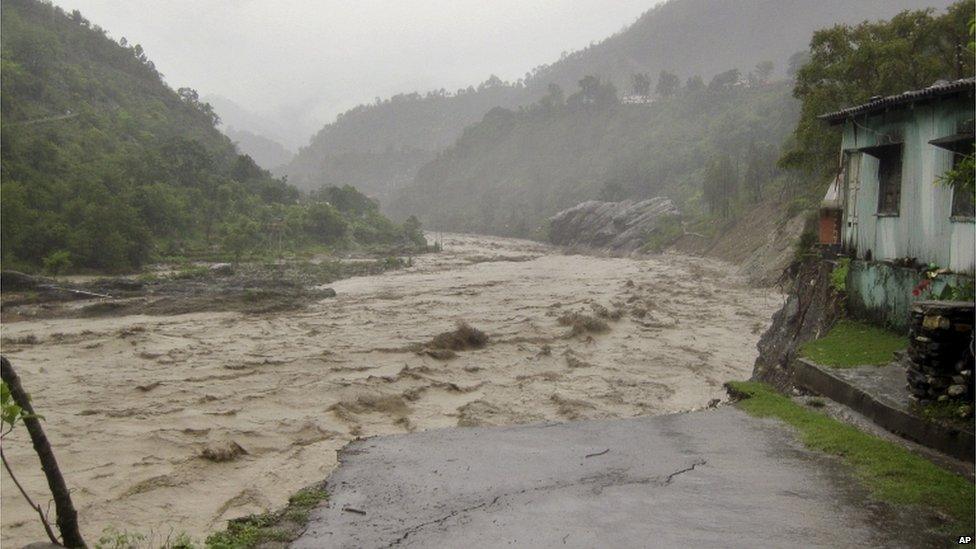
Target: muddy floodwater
x=177, y=423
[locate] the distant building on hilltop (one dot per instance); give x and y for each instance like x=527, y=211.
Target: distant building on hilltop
x=887, y=209
x=637, y=99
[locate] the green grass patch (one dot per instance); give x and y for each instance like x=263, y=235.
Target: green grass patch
x=281, y=526
x=890, y=472
x=190, y=272
x=950, y=412
x=850, y=343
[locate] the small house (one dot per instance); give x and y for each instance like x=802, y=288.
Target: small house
x=894, y=214
x=894, y=150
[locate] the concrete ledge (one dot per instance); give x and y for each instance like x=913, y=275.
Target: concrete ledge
x=889, y=415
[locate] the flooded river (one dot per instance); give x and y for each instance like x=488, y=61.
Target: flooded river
x=169, y=424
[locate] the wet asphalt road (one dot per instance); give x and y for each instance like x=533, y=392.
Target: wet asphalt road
x=714, y=478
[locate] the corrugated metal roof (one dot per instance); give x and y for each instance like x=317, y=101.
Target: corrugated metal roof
x=939, y=89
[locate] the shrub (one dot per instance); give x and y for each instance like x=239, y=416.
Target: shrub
x=57, y=262
x=462, y=338
x=838, y=277
x=324, y=223
x=240, y=235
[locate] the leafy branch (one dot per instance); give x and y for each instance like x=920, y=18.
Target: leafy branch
x=15, y=407
x=10, y=414
x=962, y=176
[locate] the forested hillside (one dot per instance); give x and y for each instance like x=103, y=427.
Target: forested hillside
x=514, y=169
x=380, y=146
x=104, y=166
x=715, y=148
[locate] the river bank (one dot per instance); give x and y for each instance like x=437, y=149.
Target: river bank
x=184, y=421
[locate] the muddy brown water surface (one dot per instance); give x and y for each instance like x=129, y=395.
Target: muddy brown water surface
x=137, y=407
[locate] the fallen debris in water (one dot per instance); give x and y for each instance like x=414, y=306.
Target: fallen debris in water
x=464, y=337
x=227, y=451
x=440, y=354
x=582, y=324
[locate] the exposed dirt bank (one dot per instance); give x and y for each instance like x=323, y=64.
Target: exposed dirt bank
x=760, y=242
x=138, y=406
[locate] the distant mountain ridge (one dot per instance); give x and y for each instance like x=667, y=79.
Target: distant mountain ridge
x=380, y=147
x=267, y=153
x=510, y=172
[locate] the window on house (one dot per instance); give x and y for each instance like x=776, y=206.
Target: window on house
x=889, y=178
x=962, y=201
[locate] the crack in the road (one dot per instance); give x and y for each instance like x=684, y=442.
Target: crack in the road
x=453, y=513
x=612, y=478
x=690, y=468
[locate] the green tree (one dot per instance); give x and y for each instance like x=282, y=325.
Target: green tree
x=694, y=84
x=413, y=232
x=850, y=64
x=764, y=69
x=723, y=81
x=346, y=199
x=594, y=91
x=324, y=223
x=240, y=235
x=760, y=170
x=555, y=97
x=641, y=84
x=667, y=84
x=796, y=62
x=719, y=186
x=57, y=262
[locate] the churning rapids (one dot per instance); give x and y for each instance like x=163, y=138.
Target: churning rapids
x=131, y=403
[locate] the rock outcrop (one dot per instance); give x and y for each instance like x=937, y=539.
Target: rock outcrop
x=615, y=226
x=811, y=308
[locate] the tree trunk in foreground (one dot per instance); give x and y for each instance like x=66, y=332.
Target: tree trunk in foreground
x=67, y=515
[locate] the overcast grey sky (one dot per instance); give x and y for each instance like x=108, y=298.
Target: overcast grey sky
x=321, y=57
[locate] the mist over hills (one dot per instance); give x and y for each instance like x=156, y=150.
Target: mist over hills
x=269, y=140
x=381, y=146
x=275, y=128
x=267, y=153
x=507, y=174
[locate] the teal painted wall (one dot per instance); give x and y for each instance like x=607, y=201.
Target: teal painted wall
x=882, y=293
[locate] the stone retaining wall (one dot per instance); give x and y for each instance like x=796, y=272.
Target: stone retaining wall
x=940, y=368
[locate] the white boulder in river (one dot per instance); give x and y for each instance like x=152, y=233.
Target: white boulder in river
x=618, y=226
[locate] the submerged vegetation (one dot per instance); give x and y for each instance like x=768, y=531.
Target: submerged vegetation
x=281, y=526
x=462, y=338
x=850, y=343
x=273, y=529
x=890, y=472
